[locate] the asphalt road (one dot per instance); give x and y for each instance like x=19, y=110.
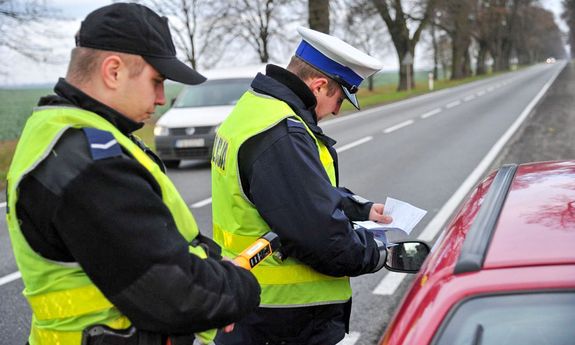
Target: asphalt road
x=428, y=151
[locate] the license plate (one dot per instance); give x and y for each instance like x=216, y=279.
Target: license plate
x=190, y=143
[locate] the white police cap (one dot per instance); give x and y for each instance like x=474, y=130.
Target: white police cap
x=337, y=59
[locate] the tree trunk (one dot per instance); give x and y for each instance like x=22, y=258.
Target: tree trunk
x=402, y=86
x=460, y=58
x=400, y=35
x=456, y=63
x=467, y=71
x=481, y=68
x=497, y=55
x=318, y=15
x=435, y=51
x=506, y=56
x=404, y=70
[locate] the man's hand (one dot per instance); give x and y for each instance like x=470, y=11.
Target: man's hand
x=376, y=214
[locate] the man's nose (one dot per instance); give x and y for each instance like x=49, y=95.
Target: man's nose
x=161, y=96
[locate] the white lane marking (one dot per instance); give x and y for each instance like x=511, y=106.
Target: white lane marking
x=437, y=223
x=410, y=100
x=2, y=204
x=353, y=144
x=389, y=283
x=480, y=93
x=350, y=339
x=489, y=89
x=469, y=98
x=201, y=203
x=9, y=278
x=453, y=104
x=428, y=234
x=398, y=126
x=431, y=113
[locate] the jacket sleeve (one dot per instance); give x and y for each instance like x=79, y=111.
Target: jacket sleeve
x=291, y=190
x=112, y=220
x=356, y=208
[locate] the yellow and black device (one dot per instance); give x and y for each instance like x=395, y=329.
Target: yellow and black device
x=258, y=251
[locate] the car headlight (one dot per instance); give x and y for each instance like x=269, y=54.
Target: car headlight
x=160, y=131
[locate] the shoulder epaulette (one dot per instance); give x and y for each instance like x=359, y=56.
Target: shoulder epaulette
x=102, y=144
x=294, y=123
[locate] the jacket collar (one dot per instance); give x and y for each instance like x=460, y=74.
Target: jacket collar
x=286, y=86
x=68, y=94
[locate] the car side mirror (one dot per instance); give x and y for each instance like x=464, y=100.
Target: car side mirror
x=406, y=257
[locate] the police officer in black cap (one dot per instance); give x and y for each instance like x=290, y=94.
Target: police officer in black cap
x=108, y=249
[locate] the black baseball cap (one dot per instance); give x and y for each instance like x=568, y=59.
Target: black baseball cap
x=135, y=29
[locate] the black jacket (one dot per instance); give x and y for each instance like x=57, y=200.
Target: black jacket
x=108, y=216
x=282, y=175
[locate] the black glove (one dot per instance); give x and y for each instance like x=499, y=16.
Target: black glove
x=213, y=250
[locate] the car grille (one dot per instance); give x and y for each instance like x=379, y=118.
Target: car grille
x=198, y=130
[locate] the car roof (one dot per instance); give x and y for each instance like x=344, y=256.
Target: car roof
x=234, y=72
x=536, y=225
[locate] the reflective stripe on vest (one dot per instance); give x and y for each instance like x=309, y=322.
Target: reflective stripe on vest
x=39, y=335
x=63, y=299
x=237, y=222
x=67, y=303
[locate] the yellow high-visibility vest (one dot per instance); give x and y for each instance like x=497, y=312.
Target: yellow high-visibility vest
x=64, y=301
x=237, y=222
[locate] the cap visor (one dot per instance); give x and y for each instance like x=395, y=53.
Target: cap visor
x=351, y=98
x=173, y=69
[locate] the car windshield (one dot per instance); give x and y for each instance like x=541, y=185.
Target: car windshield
x=212, y=93
x=527, y=319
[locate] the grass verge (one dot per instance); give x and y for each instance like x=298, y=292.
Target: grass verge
x=388, y=94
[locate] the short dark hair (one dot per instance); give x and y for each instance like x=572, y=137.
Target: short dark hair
x=85, y=62
x=306, y=71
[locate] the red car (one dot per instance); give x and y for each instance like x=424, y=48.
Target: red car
x=503, y=271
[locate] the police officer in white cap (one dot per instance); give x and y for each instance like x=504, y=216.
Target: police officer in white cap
x=274, y=168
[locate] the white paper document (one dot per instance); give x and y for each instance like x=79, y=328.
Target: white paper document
x=405, y=218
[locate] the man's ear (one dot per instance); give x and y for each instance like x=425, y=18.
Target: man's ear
x=315, y=84
x=111, y=68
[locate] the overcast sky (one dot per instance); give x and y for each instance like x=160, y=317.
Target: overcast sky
x=23, y=71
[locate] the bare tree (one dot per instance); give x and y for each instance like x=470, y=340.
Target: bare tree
x=362, y=28
x=456, y=20
x=435, y=46
x=259, y=22
x=200, y=28
x=318, y=15
x=539, y=36
x=22, y=26
x=487, y=25
x=398, y=24
x=569, y=16
x=505, y=31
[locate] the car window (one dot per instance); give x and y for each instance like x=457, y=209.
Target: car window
x=212, y=93
x=526, y=319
